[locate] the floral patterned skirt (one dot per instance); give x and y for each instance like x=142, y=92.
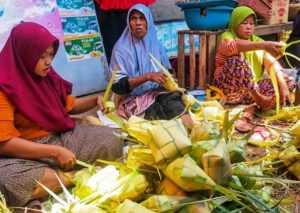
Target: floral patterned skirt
x=236, y=81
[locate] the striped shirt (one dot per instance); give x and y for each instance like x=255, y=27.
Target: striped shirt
x=228, y=48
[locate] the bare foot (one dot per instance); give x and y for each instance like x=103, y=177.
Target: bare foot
x=49, y=179
x=248, y=112
x=264, y=102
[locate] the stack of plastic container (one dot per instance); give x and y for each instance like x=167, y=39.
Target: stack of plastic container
x=207, y=14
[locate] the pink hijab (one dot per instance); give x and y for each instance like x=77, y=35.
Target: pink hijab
x=40, y=99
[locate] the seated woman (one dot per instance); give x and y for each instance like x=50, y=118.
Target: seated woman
x=38, y=138
x=294, y=49
x=137, y=80
x=241, y=60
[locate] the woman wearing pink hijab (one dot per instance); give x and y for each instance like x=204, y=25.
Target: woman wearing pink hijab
x=37, y=134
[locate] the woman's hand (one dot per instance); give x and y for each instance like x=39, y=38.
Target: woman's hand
x=65, y=158
x=272, y=47
x=157, y=77
x=285, y=95
x=100, y=103
x=84, y=104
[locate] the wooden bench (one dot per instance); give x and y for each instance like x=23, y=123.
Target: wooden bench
x=208, y=41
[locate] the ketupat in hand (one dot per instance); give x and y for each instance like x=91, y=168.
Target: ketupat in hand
x=157, y=77
x=170, y=83
x=274, y=48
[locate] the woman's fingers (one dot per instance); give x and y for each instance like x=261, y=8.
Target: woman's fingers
x=158, y=77
x=277, y=44
x=65, y=158
x=163, y=79
x=70, y=164
x=287, y=100
x=100, y=102
x=274, y=48
x=284, y=100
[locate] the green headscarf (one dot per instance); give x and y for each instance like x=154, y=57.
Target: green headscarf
x=254, y=58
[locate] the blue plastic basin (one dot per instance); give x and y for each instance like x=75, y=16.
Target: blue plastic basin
x=198, y=94
x=206, y=3
x=210, y=18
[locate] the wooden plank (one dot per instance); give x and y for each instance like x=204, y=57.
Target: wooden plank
x=206, y=32
x=181, y=74
x=272, y=29
x=192, y=61
x=211, y=54
x=202, y=61
x=259, y=29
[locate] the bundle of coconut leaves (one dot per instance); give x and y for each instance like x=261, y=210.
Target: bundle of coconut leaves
x=169, y=168
x=3, y=207
x=172, y=169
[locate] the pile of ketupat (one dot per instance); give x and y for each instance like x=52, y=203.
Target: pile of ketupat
x=206, y=169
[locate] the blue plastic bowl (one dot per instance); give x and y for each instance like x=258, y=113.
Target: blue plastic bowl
x=198, y=94
x=206, y=3
x=214, y=18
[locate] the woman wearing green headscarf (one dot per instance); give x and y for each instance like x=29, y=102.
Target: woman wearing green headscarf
x=241, y=60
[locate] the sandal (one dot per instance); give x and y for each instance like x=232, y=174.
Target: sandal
x=263, y=136
x=249, y=111
x=260, y=134
x=244, y=124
